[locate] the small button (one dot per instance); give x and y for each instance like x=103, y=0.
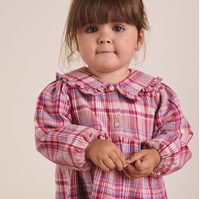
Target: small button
x=111, y=88
x=116, y=124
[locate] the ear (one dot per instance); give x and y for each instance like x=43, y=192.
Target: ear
x=140, y=40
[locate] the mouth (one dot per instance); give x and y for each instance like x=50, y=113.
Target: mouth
x=105, y=52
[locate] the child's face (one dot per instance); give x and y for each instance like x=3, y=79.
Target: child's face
x=108, y=48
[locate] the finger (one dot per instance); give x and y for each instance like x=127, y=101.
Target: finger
x=103, y=166
x=108, y=162
x=127, y=174
x=118, y=160
x=121, y=157
x=142, y=169
x=100, y=162
x=141, y=165
x=135, y=157
x=133, y=173
x=132, y=169
x=134, y=176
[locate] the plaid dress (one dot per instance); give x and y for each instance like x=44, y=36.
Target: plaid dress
x=138, y=113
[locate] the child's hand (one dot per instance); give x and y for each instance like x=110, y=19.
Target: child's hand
x=105, y=154
x=143, y=163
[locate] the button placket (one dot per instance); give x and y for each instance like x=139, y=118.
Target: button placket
x=116, y=122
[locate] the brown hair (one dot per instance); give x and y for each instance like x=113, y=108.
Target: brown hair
x=84, y=12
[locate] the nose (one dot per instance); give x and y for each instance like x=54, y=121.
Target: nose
x=104, y=38
x=104, y=41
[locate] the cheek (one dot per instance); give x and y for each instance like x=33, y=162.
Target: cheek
x=84, y=45
x=86, y=49
x=86, y=53
x=127, y=48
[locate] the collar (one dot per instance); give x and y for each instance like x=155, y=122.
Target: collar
x=135, y=86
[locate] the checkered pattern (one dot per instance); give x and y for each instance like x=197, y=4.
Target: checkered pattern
x=140, y=112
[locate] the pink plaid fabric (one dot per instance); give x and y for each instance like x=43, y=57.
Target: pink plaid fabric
x=137, y=113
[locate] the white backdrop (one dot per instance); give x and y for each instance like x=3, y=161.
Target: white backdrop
x=30, y=35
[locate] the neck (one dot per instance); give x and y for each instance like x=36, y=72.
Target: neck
x=112, y=76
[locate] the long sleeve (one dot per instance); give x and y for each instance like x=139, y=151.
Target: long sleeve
x=56, y=137
x=172, y=133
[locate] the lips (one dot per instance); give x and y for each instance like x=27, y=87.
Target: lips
x=105, y=51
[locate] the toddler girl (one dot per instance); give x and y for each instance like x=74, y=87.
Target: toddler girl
x=112, y=131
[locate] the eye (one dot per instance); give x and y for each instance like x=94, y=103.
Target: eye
x=91, y=29
x=118, y=29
